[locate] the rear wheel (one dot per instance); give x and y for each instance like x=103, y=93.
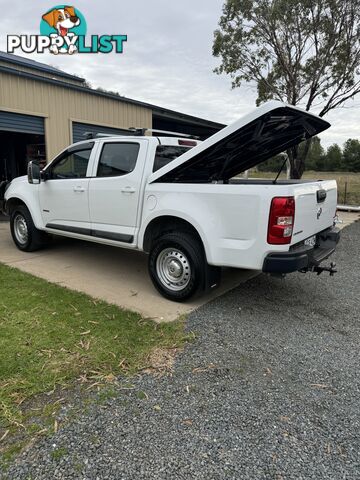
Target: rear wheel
x=24, y=233
x=177, y=266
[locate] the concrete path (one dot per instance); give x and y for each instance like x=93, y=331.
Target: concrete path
x=116, y=275
x=113, y=274
x=347, y=218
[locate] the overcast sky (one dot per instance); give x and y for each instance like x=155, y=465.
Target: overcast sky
x=167, y=60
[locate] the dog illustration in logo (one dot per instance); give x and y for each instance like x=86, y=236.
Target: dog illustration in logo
x=62, y=20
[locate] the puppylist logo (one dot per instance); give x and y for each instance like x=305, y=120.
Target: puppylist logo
x=63, y=31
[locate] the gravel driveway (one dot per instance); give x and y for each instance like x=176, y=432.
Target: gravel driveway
x=270, y=389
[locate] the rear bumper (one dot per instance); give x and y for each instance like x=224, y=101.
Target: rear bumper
x=302, y=257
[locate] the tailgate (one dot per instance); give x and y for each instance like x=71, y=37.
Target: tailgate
x=315, y=208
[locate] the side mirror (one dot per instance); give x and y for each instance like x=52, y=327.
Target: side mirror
x=34, y=175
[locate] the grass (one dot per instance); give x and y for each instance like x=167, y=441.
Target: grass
x=59, y=453
x=351, y=179
x=52, y=338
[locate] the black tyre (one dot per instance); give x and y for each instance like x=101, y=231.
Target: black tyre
x=177, y=266
x=24, y=233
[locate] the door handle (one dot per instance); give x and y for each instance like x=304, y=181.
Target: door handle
x=128, y=190
x=79, y=189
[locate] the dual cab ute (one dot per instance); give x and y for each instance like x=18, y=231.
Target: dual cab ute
x=181, y=201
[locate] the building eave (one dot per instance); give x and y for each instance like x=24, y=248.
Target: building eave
x=39, y=67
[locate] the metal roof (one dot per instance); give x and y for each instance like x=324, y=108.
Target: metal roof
x=26, y=62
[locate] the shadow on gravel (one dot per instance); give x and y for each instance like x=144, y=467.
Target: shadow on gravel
x=269, y=390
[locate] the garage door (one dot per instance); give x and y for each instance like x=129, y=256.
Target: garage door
x=80, y=130
x=15, y=122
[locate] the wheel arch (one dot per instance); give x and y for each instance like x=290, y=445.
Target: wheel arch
x=15, y=201
x=168, y=224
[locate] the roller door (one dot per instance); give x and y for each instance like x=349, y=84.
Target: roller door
x=15, y=122
x=80, y=130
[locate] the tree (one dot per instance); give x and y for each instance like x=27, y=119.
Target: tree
x=110, y=92
x=351, y=155
x=272, y=165
x=334, y=158
x=303, y=52
x=315, y=155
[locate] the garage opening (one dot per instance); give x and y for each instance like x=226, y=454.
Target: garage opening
x=22, y=138
x=17, y=149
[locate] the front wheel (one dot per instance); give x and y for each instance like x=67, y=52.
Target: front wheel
x=24, y=233
x=177, y=266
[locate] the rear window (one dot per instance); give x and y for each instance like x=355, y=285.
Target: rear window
x=118, y=159
x=166, y=154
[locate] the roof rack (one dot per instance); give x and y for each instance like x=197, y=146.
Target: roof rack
x=139, y=132
x=166, y=133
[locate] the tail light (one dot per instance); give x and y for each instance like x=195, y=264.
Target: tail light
x=281, y=220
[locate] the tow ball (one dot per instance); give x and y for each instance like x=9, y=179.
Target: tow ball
x=330, y=269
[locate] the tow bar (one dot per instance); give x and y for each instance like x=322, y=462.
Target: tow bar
x=330, y=269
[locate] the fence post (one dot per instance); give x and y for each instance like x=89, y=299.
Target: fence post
x=345, y=193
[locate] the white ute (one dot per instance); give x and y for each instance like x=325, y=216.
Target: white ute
x=180, y=201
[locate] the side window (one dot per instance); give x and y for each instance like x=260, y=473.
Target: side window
x=117, y=159
x=71, y=165
x=166, y=154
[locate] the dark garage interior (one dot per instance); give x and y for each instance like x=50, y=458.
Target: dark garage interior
x=17, y=149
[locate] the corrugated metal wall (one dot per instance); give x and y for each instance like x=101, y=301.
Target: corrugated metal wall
x=61, y=106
